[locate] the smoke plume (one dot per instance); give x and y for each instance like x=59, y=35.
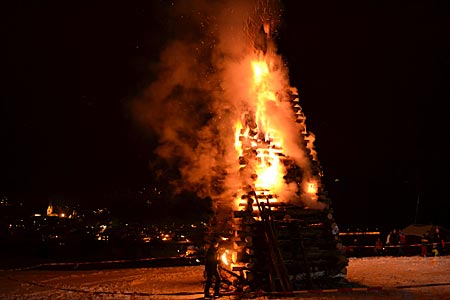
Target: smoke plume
x=202, y=88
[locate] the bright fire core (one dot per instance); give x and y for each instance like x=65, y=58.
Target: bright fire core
x=258, y=140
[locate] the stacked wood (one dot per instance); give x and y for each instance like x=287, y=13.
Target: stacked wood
x=305, y=238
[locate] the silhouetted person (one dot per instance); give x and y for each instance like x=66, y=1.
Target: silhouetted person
x=438, y=242
x=379, y=247
x=211, y=271
x=393, y=241
x=402, y=242
x=424, y=247
x=393, y=238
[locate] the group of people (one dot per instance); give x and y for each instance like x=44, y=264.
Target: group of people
x=397, y=238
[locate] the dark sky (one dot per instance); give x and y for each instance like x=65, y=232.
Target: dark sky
x=374, y=81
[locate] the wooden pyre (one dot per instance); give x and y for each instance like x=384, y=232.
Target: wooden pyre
x=277, y=246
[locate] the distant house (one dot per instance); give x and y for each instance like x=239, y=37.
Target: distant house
x=50, y=211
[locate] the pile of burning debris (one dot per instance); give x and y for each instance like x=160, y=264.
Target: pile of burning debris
x=280, y=234
x=280, y=248
x=275, y=245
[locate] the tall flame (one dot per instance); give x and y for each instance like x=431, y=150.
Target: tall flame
x=264, y=93
x=260, y=135
x=256, y=133
x=269, y=169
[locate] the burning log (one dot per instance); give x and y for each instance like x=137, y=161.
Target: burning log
x=261, y=40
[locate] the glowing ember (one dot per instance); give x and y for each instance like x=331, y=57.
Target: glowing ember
x=269, y=170
x=312, y=188
x=225, y=258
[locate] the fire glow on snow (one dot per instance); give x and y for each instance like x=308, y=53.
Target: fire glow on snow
x=418, y=278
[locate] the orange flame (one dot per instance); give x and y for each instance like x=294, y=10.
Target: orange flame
x=269, y=169
x=260, y=135
x=312, y=188
x=264, y=91
x=237, y=142
x=225, y=258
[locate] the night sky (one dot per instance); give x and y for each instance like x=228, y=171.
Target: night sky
x=374, y=82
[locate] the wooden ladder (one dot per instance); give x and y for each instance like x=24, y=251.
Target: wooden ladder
x=277, y=263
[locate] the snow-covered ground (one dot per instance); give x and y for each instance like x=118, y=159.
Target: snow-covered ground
x=398, y=278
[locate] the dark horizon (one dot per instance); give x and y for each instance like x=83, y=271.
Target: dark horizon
x=373, y=78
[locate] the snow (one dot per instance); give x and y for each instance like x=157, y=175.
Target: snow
x=412, y=277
